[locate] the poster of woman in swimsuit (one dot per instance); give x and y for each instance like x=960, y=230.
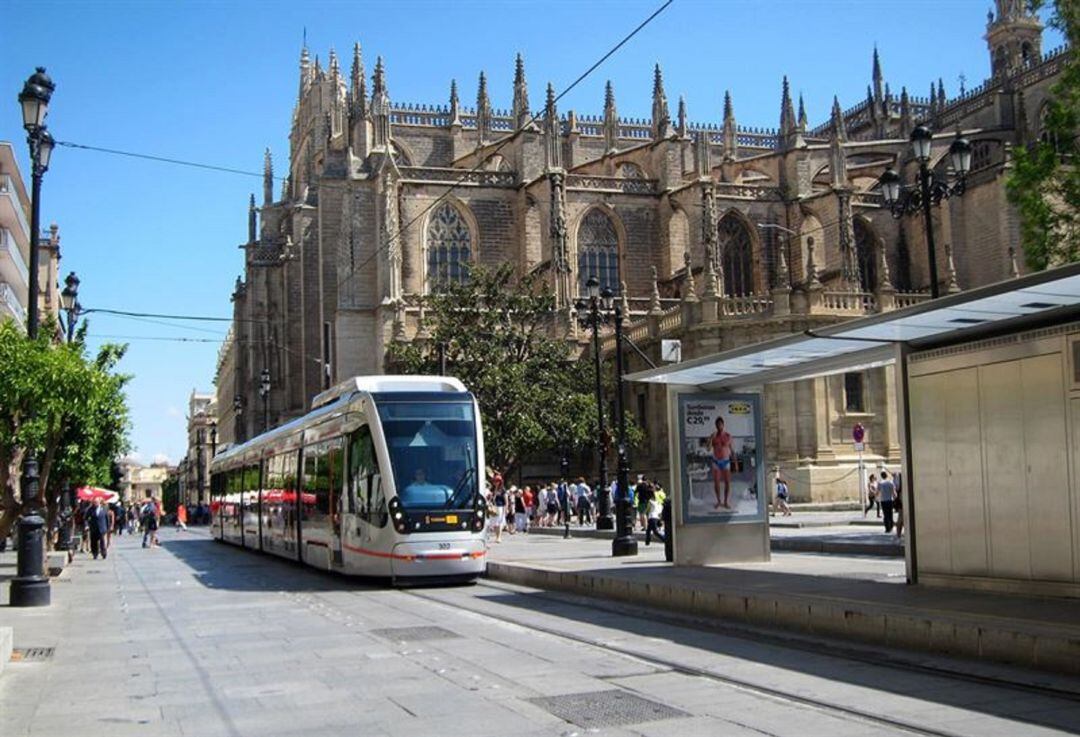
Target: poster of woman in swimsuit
x=722, y=466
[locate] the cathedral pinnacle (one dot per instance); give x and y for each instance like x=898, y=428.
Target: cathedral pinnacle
x=552, y=132
x=877, y=77
x=305, y=70
x=729, y=110
x=730, y=140
x=335, y=68
x=802, y=114
x=680, y=127
x=838, y=129
x=378, y=80
x=358, y=85
x=521, y=94
x=787, y=117
x=455, y=104
x=483, y=111
x=268, y=179
x=661, y=119
x=380, y=107
x=907, y=123
x=611, y=120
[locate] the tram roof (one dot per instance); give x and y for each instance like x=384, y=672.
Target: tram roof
x=868, y=342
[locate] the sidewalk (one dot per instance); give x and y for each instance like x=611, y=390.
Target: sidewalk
x=841, y=533
x=847, y=597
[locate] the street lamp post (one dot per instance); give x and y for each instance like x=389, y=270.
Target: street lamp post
x=624, y=542
x=264, y=392
x=30, y=587
x=589, y=314
x=213, y=438
x=910, y=200
x=69, y=303
x=199, y=476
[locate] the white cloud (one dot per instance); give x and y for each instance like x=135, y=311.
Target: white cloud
x=171, y=411
x=160, y=458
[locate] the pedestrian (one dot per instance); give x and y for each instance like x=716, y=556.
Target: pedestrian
x=886, y=491
x=149, y=517
x=584, y=506
x=720, y=441
x=871, y=496
x=653, y=514
x=97, y=520
x=520, y=520
x=898, y=503
x=782, y=496
x=132, y=518
x=181, y=517
x=551, y=506
x=643, y=493
x=529, y=499
x=498, y=500
x=121, y=518
x=112, y=523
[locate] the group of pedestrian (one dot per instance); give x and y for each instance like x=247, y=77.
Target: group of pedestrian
x=99, y=521
x=558, y=503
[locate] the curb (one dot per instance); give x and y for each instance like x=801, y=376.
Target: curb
x=980, y=637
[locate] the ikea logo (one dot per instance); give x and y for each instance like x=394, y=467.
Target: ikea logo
x=739, y=408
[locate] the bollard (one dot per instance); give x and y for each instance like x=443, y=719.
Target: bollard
x=31, y=587
x=669, y=532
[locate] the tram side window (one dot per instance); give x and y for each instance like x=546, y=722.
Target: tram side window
x=335, y=467
x=364, y=485
x=315, y=499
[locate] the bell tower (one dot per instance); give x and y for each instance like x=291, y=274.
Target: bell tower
x=1013, y=35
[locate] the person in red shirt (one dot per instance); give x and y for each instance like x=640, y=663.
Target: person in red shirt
x=721, y=447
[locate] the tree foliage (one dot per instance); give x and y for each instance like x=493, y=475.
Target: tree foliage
x=70, y=408
x=1045, y=183
x=502, y=340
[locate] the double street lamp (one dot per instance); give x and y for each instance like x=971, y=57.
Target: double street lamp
x=929, y=190
x=30, y=587
x=624, y=542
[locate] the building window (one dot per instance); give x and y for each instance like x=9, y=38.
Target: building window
x=628, y=170
x=864, y=256
x=854, y=400
x=598, y=251
x=449, y=248
x=738, y=257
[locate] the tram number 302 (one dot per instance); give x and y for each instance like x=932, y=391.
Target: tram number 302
x=444, y=546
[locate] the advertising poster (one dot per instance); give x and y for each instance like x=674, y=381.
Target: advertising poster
x=720, y=439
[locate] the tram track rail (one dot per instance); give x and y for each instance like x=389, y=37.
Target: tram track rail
x=819, y=648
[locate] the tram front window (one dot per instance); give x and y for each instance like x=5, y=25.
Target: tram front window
x=432, y=448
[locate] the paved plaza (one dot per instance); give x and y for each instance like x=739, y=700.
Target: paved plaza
x=198, y=638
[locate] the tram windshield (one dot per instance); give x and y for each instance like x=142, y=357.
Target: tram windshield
x=432, y=448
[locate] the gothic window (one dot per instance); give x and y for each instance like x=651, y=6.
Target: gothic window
x=497, y=163
x=449, y=248
x=1025, y=53
x=864, y=256
x=630, y=171
x=598, y=250
x=738, y=256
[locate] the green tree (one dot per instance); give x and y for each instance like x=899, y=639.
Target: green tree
x=1045, y=182
x=502, y=339
x=79, y=423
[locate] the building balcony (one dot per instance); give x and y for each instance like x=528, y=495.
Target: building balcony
x=10, y=305
x=12, y=214
x=13, y=268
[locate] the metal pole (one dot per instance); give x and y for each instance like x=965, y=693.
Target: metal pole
x=624, y=542
x=604, y=520
x=931, y=251
x=30, y=587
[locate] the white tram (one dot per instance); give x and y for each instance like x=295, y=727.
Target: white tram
x=381, y=478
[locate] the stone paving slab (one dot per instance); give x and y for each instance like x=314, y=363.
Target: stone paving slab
x=852, y=598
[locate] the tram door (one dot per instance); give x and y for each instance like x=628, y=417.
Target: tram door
x=366, y=498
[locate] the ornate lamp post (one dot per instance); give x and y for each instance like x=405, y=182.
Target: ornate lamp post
x=624, y=542
x=199, y=476
x=264, y=392
x=590, y=315
x=69, y=303
x=213, y=438
x=30, y=587
x=917, y=198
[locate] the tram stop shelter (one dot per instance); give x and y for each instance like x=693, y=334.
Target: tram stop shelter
x=988, y=411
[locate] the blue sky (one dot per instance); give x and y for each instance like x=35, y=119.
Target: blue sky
x=216, y=82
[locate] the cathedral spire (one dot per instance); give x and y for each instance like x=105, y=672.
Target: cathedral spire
x=335, y=67
x=521, y=94
x=730, y=141
x=802, y=115
x=940, y=95
x=318, y=74
x=837, y=138
x=552, y=132
x=455, y=104
x=877, y=77
x=787, y=117
x=483, y=111
x=611, y=120
x=358, y=85
x=907, y=123
x=268, y=179
x=681, y=127
x=661, y=119
x=251, y=218
x=305, y=71
x=380, y=107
